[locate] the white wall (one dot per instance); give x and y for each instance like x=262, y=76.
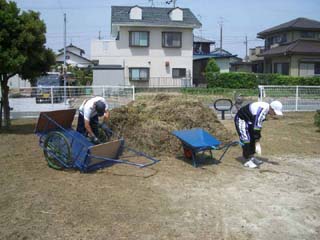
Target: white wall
x=17, y=82
x=223, y=64
x=153, y=57
x=176, y=15
x=74, y=60
x=108, y=77
x=75, y=50
x=136, y=13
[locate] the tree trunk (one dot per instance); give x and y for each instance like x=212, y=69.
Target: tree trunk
x=5, y=102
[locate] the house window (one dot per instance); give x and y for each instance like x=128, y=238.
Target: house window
x=171, y=39
x=139, y=74
x=276, y=39
x=281, y=68
x=307, y=69
x=178, y=72
x=308, y=34
x=139, y=39
x=317, y=68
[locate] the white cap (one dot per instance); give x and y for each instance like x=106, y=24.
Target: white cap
x=277, y=107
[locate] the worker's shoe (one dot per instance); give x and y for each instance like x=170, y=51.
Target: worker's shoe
x=250, y=164
x=256, y=161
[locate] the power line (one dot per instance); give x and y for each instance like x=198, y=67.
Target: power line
x=65, y=8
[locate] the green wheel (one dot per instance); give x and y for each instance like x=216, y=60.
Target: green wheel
x=57, y=149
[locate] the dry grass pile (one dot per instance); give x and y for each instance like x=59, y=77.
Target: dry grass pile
x=147, y=124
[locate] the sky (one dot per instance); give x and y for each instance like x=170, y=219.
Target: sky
x=239, y=18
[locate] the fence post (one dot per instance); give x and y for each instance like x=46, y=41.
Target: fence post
x=51, y=93
x=133, y=93
x=297, y=96
x=260, y=93
x=103, y=93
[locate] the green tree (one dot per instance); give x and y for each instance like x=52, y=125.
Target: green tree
x=83, y=75
x=212, y=67
x=211, y=72
x=22, y=49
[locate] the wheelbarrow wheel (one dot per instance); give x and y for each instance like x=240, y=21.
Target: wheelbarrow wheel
x=187, y=153
x=57, y=150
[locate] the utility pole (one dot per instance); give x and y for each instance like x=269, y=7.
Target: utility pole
x=99, y=35
x=246, y=43
x=221, y=26
x=200, y=30
x=64, y=59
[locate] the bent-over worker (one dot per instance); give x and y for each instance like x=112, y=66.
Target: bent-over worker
x=88, y=120
x=248, y=123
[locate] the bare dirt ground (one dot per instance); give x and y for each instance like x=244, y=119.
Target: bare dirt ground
x=171, y=200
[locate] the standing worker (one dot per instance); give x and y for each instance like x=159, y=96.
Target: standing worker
x=248, y=123
x=88, y=120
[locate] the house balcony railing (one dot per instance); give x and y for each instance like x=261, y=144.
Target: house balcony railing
x=161, y=82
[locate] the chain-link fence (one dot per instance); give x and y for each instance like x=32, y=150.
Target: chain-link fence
x=29, y=102
x=293, y=98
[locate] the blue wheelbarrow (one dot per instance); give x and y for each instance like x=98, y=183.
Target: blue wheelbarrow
x=197, y=140
x=65, y=148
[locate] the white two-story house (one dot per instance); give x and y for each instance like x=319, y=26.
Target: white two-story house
x=154, y=46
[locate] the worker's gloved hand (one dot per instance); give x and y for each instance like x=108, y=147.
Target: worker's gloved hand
x=95, y=140
x=106, y=129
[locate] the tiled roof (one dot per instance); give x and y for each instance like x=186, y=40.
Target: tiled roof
x=309, y=47
x=214, y=54
x=296, y=24
x=152, y=16
x=72, y=53
x=70, y=46
x=202, y=40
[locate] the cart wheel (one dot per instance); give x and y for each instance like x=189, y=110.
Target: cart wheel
x=187, y=153
x=57, y=149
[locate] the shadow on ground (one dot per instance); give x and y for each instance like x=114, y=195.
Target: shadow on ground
x=26, y=128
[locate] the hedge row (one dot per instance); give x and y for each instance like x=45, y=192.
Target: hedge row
x=317, y=119
x=252, y=80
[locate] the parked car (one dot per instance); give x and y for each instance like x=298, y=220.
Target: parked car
x=47, y=85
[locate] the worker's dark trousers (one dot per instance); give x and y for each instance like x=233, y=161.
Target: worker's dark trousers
x=245, y=132
x=94, y=122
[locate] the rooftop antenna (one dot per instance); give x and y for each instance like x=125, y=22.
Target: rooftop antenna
x=172, y=1
x=152, y=3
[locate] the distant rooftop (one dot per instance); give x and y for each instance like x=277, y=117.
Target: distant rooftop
x=202, y=40
x=70, y=46
x=152, y=16
x=217, y=53
x=296, y=24
x=307, y=47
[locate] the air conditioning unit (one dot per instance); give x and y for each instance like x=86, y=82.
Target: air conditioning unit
x=275, y=45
